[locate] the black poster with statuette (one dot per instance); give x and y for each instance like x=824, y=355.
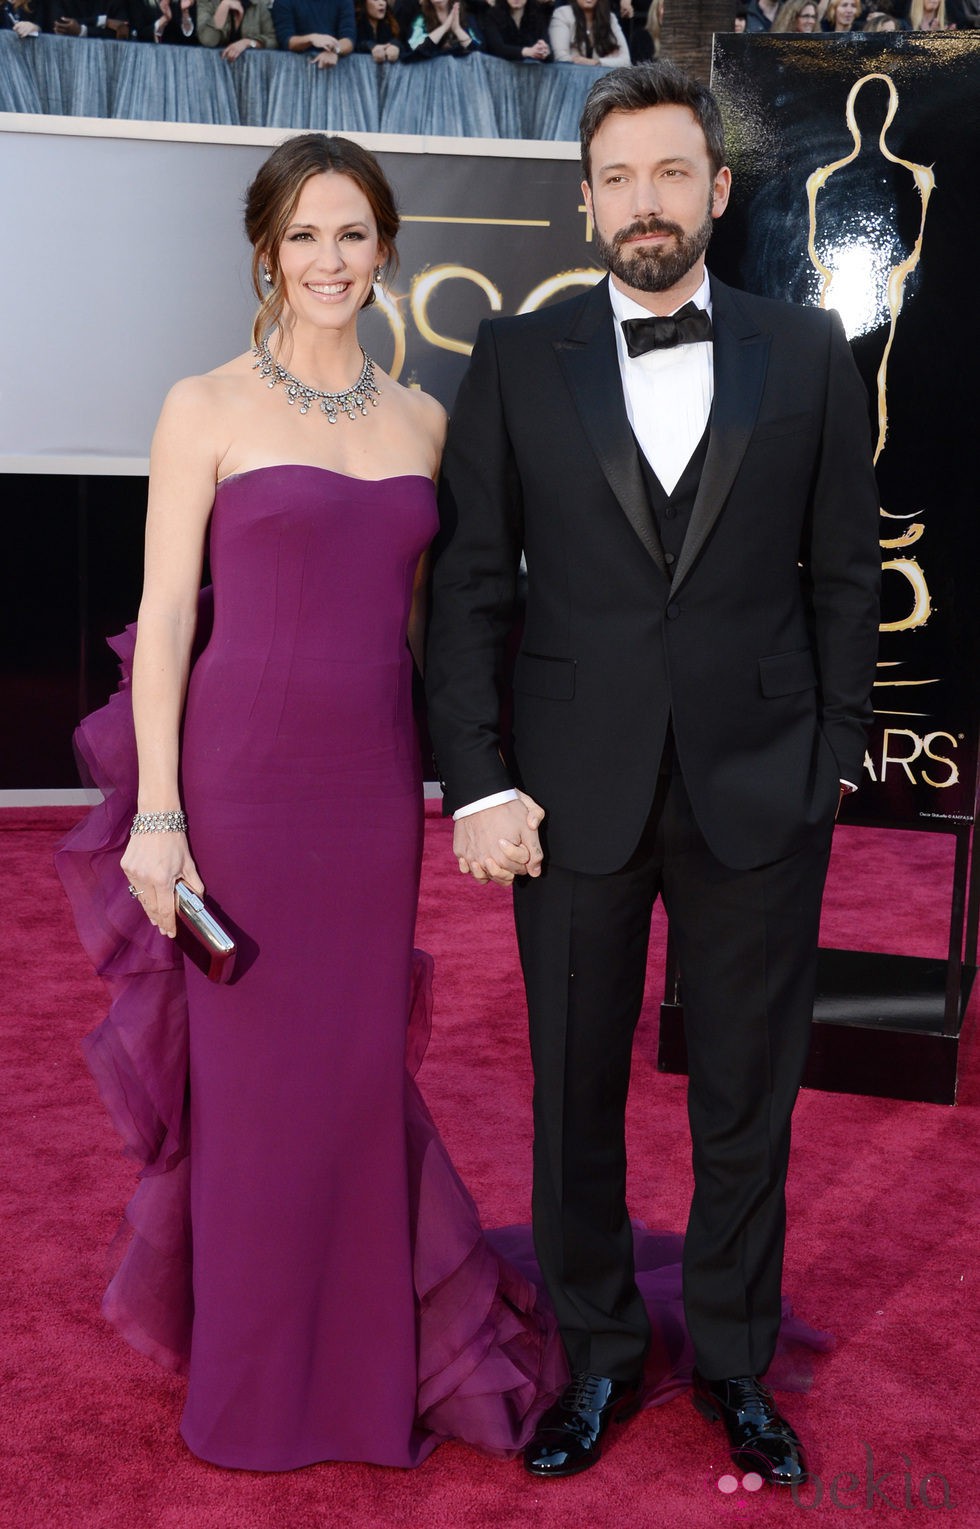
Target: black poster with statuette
x=852, y=189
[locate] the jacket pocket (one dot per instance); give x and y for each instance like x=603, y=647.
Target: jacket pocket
x=785, y=424
x=785, y=673
x=550, y=679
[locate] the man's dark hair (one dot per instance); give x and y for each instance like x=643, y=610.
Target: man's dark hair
x=642, y=85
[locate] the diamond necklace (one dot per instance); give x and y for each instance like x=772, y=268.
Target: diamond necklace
x=364, y=391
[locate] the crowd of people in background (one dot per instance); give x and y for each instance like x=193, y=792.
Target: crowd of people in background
x=819, y=17
x=594, y=33
x=598, y=33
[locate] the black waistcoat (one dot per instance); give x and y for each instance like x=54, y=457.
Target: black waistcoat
x=672, y=512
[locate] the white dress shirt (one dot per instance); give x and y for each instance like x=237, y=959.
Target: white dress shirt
x=668, y=392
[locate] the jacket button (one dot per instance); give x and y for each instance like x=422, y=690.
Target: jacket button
x=673, y=611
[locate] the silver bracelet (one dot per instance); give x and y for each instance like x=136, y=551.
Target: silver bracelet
x=159, y=823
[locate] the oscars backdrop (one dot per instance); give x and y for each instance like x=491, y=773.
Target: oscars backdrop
x=852, y=160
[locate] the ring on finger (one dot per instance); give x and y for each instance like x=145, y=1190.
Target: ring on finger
x=133, y=892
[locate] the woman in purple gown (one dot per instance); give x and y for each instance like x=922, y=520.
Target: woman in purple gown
x=341, y=1302
x=299, y=1242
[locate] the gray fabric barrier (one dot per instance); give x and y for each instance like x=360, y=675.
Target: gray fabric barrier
x=476, y=97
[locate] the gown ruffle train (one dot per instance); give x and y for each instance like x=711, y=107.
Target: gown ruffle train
x=299, y=1242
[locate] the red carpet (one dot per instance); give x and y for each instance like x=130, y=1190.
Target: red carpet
x=882, y=1250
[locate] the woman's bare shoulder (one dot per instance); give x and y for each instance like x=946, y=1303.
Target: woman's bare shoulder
x=422, y=410
x=215, y=382
x=199, y=414
x=209, y=394
x=238, y=367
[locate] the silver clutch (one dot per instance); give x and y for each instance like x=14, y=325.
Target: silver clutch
x=201, y=937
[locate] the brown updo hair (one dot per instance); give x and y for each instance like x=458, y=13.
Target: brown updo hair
x=270, y=202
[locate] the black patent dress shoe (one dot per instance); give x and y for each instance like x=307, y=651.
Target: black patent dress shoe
x=761, y=1439
x=568, y=1438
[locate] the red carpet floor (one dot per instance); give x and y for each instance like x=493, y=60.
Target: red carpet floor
x=882, y=1250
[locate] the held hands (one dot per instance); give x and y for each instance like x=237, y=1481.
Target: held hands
x=539, y=51
x=152, y=864
x=500, y=842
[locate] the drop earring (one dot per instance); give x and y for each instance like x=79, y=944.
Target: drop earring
x=267, y=276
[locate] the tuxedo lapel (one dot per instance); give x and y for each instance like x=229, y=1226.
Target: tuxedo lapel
x=587, y=357
x=741, y=354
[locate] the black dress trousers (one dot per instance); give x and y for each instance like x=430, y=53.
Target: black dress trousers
x=746, y=942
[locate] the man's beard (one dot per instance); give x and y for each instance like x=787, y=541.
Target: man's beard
x=650, y=267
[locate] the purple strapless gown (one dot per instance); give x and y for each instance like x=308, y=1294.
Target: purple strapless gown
x=342, y=1301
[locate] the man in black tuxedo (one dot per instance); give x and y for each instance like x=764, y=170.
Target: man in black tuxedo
x=687, y=470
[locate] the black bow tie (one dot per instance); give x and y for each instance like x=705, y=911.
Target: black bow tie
x=687, y=326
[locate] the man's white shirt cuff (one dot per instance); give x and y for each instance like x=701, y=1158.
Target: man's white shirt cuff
x=497, y=800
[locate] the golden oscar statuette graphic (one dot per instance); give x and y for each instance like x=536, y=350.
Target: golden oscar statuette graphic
x=860, y=277
x=426, y=283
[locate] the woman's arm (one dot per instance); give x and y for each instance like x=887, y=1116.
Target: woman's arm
x=213, y=23
x=466, y=39
x=183, y=468
x=418, y=612
x=561, y=34
x=346, y=27
x=433, y=423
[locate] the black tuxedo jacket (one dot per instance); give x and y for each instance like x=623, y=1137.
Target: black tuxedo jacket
x=761, y=646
